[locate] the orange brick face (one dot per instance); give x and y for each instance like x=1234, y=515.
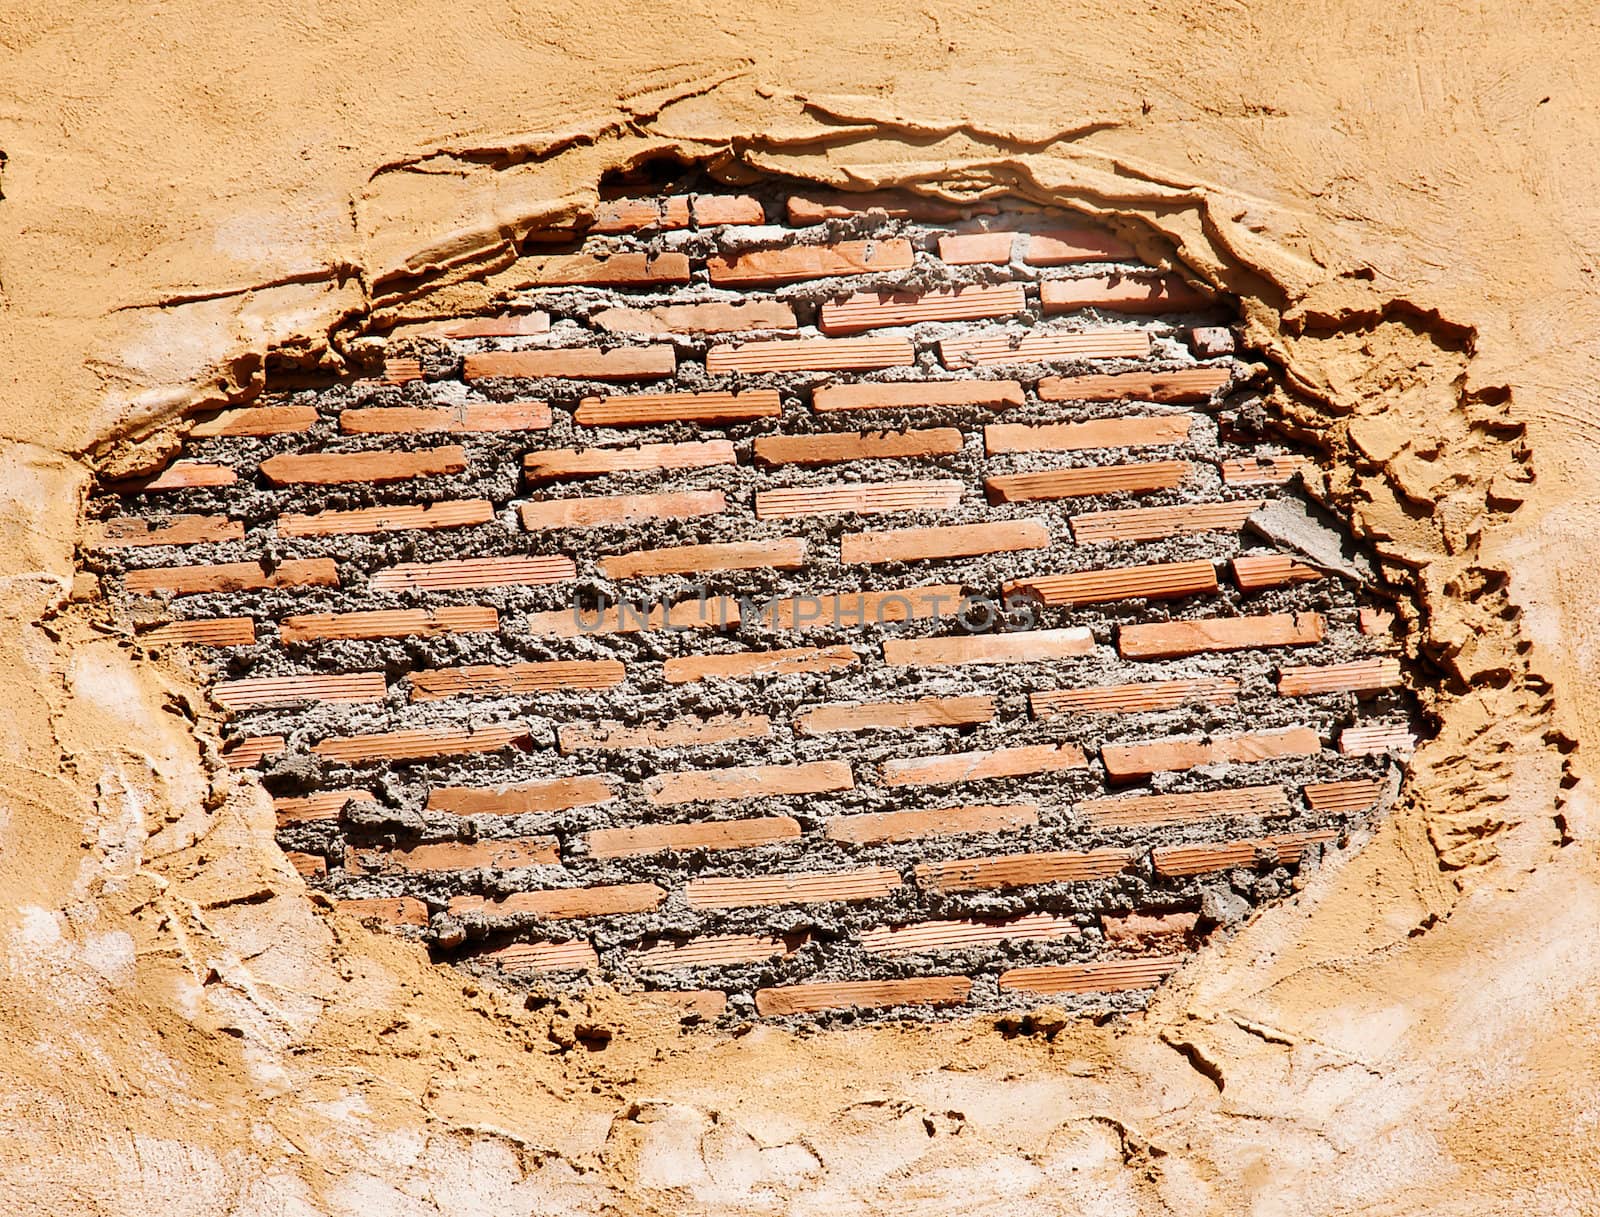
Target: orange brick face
x=325, y=469
x=621, y=509
x=839, y=447
x=796, y=262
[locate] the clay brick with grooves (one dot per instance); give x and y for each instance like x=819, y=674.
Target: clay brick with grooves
x=1265, y=470
x=815, y=208
x=615, y=270
x=1157, y=523
x=1175, y=387
x=964, y=935
x=915, y=394
x=774, y=553
x=712, y=613
x=1002, y=349
x=231, y=577
x=1377, y=739
x=1158, y=581
x=747, y=782
x=1159, y=810
x=748, y=665
x=564, y=903
x=1097, y=479
x=703, y=834
x=395, y=910
x=505, y=680
x=1271, y=570
x=1127, y=762
x=400, y=371
x=470, y=417
x=944, y=543
x=462, y=513
x=262, y=691
x=338, y=468
x=256, y=420
x=1177, y=639
x=523, y=798
x=840, y=447
x=647, y=408
x=324, y=805
x=499, y=853
x=252, y=750
x=553, y=464
x=1106, y=976
x=727, y=209
x=859, y=498
x=1140, y=698
x=544, y=957
x=715, y=317
x=804, y=887
x=838, y=609
x=129, y=532
x=627, y=215
x=532, y=571
x=1122, y=294
x=869, y=994
x=1039, y=247
x=875, y=310
x=420, y=743
x=1144, y=930
x=876, y=826
x=203, y=631
x=810, y=355
x=716, y=951
x=573, y=363
x=180, y=475
x=1022, y=870
x=956, y=767
x=796, y=262
x=1286, y=849
x=1144, y=432
x=676, y=733
x=1358, y=795
x=1023, y=646
x=1360, y=676
x=307, y=866
x=896, y=715
x=389, y=623
x=507, y=325
x=612, y=510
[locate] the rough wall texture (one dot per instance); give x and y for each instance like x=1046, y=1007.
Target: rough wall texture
x=1400, y=199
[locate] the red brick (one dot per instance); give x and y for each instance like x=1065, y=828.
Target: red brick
x=874, y=310
x=399, y=371
x=337, y=468
x=647, y=408
x=1096, y=479
x=747, y=665
x=1286, y=849
x=1361, y=676
x=1265, y=470
x=815, y=208
x=795, y=262
x=128, y=532
x=916, y=394
x=1023, y=646
x=180, y=475
x=1358, y=795
x=389, y=623
x=261, y=691
x=980, y=352
x=1145, y=930
x=714, y=317
x=396, y=910
x=501, y=853
x=618, y=509
x=1376, y=739
x=524, y=798
x=1130, y=761
x=553, y=464
x=231, y=577
x=704, y=834
x=462, y=513
x=252, y=749
x=1272, y=570
x=1159, y=810
x=535, y=570
x=956, y=767
x=839, y=609
x=1038, y=247
x=507, y=325
x=1180, y=385
x=504, y=680
x=308, y=866
x=805, y=887
x=895, y=715
x=1022, y=870
x=562, y=903
x=1122, y=294
x=324, y=805
x=627, y=215
x=256, y=420
x=842, y=446
x=977, y=248
x=810, y=355
x=876, y=826
x=964, y=935
x=543, y=957
x=951, y=541
x=676, y=733
x=469, y=417
x=774, y=553
x=203, y=631
x=1105, y=976
x=860, y=498
x=615, y=270
x=1158, y=581
x=1152, y=431
x=717, y=951
x=747, y=782
x=862, y=994
x=574, y=363
x=1175, y=639
x=421, y=743
x=712, y=613
x=1155, y=523
x=728, y=209
x=1134, y=698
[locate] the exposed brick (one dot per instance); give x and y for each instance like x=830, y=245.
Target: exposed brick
x=1156, y=523
x=1039, y=247
x=874, y=310
x=504, y=680
x=1264, y=470
x=1134, y=698
x=395, y=910
x=896, y=715
x=613, y=270
x=1271, y=570
x=1158, y=581
x=1358, y=795
x=676, y=733
x=647, y=408
x=611, y=510
x=535, y=570
x=810, y=355
x=1286, y=849
x=1145, y=930
x=703, y=834
x=1360, y=676
x=308, y=866
x=964, y=935
x=795, y=262
x=1105, y=976
x=1122, y=294
x=861, y=498
x=1175, y=639
x=876, y=826
x=748, y=665
x=552, y=464
x=717, y=951
x=1174, y=387
x=497, y=853
x=462, y=513
x=955, y=767
x=507, y=325
x=1152, y=431
x=420, y=743
x=469, y=417
x=389, y=623
x=727, y=209
x=543, y=957
x=261, y=691
x=563, y=903
x=203, y=631
x=324, y=805
x=712, y=613
x=627, y=215
x=815, y=208
x=838, y=609
x=252, y=750
x=779, y=553
x=977, y=248
x=1023, y=646
x=869, y=994
x=337, y=468
x=1376, y=740
x=522, y=798
x=575, y=363
x=1158, y=810
x=804, y=887
x=128, y=532
x=256, y=420
x=1130, y=761
x=950, y=541
x=914, y=394
x=956, y=353
x=713, y=317
x=841, y=446
x=1096, y=479
x=747, y=782
x=399, y=371
x=232, y=577
x=180, y=475
x=1022, y=870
